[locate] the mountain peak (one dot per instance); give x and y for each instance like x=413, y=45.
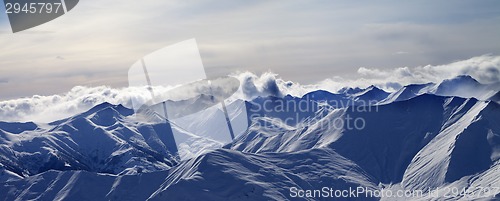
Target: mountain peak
x=418, y=85
x=461, y=79
x=118, y=110
x=106, y=106
x=373, y=88
x=463, y=86
x=465, y=77
x=319, y=94
x=371, y=93
x=350, y=90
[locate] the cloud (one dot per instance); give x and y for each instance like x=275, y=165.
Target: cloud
x=265, y=85
x=485, y=68
x=49, y=108
x=79, y=99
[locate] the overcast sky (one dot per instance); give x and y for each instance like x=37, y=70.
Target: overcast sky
x=305, y=41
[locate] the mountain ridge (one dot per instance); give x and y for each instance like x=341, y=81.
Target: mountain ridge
x=425, y=141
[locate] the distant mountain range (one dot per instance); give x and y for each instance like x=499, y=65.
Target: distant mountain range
x=422, y=136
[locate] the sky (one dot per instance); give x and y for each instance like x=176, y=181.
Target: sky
x=305, y=41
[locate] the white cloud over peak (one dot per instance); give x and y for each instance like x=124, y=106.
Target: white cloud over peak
x=485, y=68
x=54, y=107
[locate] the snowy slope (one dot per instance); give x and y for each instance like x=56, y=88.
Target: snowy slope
x=371, y=93
x=392, y=136
x=408, y=92
x=234, y=175
x=466, y=147
x=105, y=139
x=81, y=185
x=427, y=141
x=219, y=175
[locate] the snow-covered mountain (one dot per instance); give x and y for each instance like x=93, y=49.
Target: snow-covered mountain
x=461, y=86
x=220, y=175
x=418, y=138
x=399, y=140
x=105, y=139
x=371, y=93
